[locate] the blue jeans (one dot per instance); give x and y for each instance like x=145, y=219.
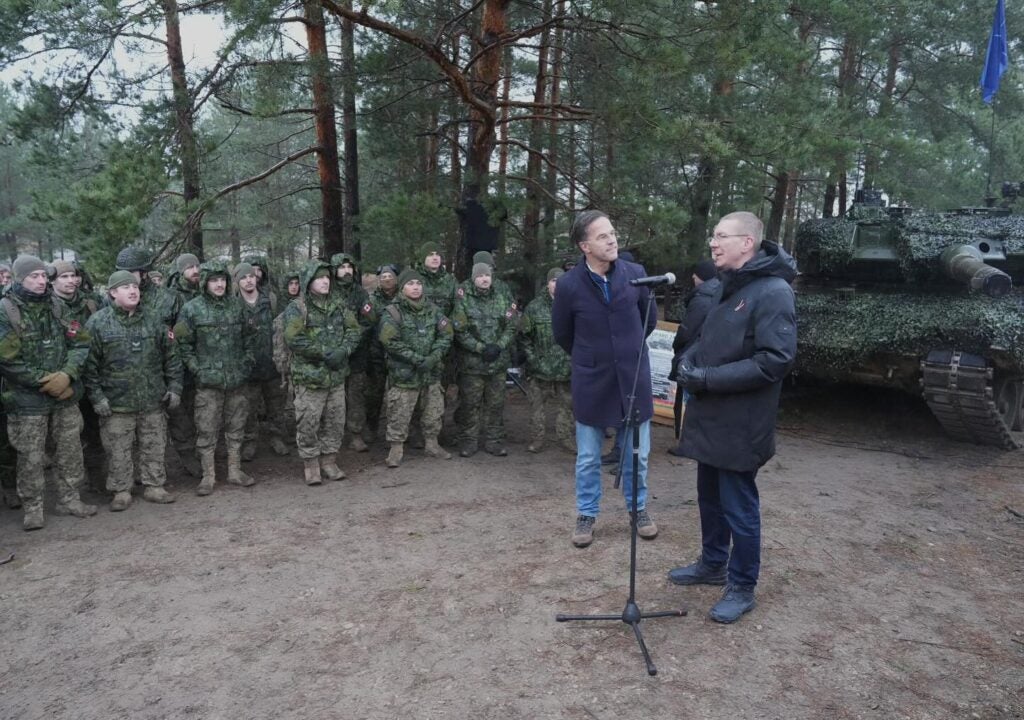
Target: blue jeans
x=589, y=440
x=730, y=510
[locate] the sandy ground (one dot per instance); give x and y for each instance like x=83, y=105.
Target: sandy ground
x=891, y=588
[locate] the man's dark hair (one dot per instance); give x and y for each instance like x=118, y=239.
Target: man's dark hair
x=583, y=221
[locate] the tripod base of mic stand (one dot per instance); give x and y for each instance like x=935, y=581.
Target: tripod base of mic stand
x=632, y=616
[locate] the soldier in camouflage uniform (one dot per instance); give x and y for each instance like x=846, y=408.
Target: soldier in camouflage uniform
x=66, y=281
x=263, y=280
x=499, y=286
x=132, y=373
x=264, y=386
x=438, y=284
x=321, y=333
x=164, y=303
x=416, y=336
x=548, y=369
x=291, y=289
x=376, y=372
x=216, y=346
x=350, y=291
x=41, y=359
x=5, y=275
x=484, y=330
x=184, y=283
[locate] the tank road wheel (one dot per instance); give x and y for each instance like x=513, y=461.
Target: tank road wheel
x=1008, y=394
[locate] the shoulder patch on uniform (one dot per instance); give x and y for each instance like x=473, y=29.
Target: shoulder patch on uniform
x=73, y=327
x=443, y=322
x=170, y=334
x=366, y=309
x=461, y=292
x=509, y=313
x=514, y=307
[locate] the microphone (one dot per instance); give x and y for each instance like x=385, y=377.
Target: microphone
x=666, y=279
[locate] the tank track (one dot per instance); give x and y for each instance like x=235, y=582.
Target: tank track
x=958, y=389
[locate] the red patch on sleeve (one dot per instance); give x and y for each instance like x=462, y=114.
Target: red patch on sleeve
x=460, y=293
x=170, y=334
x=73, y=327
x=367, y=309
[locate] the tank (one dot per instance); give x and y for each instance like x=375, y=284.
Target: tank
x=926, y=303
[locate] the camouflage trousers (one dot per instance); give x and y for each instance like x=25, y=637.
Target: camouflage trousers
x=376, y=382
x=121, y=433
x=271, y=397
x=216, y=408
x=319, y=420
x=551, y=393
x=181, y=421
x=403, y=402
x=481, y=395
x=28, y=435
x=355, y=399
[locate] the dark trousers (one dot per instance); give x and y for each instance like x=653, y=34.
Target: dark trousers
x=730, y=511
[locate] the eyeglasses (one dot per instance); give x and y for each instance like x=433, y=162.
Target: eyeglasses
x=712, y=238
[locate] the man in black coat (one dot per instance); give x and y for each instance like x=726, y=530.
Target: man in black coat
x=734, y=372
x=697, y=304
x=598, y=318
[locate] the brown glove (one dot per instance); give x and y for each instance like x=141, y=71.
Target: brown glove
x=68, y=393
x=55, y=383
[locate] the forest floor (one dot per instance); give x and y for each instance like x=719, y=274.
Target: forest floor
x=891, y=587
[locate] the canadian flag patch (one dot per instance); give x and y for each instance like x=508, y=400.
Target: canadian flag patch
x=73, y=327
x=367, y=308
x=170, y=334
x=460, y=292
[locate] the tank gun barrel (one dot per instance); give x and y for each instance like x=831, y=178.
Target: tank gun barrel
x=964, y=263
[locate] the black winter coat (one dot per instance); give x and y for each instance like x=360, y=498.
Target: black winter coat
x=748, y=345
x=698, y=303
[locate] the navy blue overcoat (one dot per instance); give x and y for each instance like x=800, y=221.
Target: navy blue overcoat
x=604, y=339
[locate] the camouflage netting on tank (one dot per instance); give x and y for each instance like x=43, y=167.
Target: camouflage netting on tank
x=840, y=332
x=918, y=240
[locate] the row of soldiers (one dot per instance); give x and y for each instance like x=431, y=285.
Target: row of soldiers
x=201, y=354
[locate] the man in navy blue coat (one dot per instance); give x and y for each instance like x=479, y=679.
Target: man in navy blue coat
x=734, y=373
x=599, y=319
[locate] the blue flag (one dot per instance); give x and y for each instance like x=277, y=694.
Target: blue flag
x=997, y=59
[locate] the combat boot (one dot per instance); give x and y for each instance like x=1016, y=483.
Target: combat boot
x=536, y=446
x=278, y=446
x=248, y=451
x=236, y=476
x=157, y=495
x=33, y=516
x=11, y=499
x=699, y=573
x=121, y=501
x=357, y=444
x=469, y=449
x=209, y=473
x=434, y=450
x=75, y=507
x=311, y=470
x=395, y=455
x=329, y=467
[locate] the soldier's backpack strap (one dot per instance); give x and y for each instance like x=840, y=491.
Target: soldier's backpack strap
x=395, y=312
x=13, y=313
x=91, y=304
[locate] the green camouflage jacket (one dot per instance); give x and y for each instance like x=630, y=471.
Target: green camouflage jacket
x=378, y=300
x=178, y=285
x=483, y=317
x=214, y=337
x=80, y=306
x=161, y=302
x=416, y=337
x=439, y=288
x=38, y=341
x=545, y=360
x=498, y=287
x=133, y=361
x=355, y=298
x=316, y=329
x=260, y=318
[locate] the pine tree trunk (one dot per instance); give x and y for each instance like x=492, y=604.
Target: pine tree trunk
x=332, y=225
x=778, y=205
x=348, y=126
x=531, y=220
x=551, y=183
x=188, y=152
x=791, y=203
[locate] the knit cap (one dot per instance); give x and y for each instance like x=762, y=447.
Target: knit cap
x=407, y=275
x=241, y=270
x=555, y=273
x=483, y=257
x=429, y=248
x=185, y=261
x=388, y=268
x=481, y=268
x=63, y=266
x=25, y=265
x=121, y=277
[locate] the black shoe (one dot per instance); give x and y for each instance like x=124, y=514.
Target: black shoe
x=698, y=574
x=736, y=601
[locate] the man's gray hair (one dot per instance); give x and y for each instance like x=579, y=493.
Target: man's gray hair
x=750, y=224
x=583, y=221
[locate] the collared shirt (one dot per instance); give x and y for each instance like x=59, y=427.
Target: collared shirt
x=602, y=283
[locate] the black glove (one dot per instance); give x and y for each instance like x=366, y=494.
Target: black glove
x=335, y=359
x=491, y=352
x=693, y=379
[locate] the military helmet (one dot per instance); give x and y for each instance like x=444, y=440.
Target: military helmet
x=133, y=258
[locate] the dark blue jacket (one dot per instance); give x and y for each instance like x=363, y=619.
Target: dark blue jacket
x=603, y=341
x=748, y=345
x=698, y=303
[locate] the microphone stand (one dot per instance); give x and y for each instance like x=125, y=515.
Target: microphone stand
x=631, y=614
